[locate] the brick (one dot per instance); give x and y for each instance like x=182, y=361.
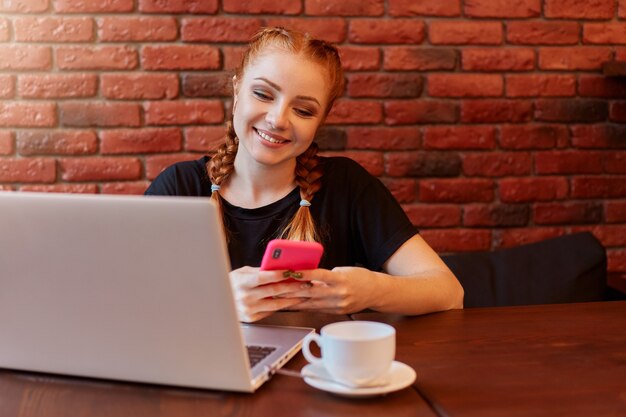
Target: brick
x=370, y=160
x=433, y=215
x=155, y=164
x=604, y=33
x=615, y=163
x=458, y=240
x=331, y=138
x=398, y=112
x=96, y=57
x=496, y=164
x=5, y=31
x=622, y=9
x=25, y=57
x=27, y=170
x=406, y=58
x=540, y=85
x=204, y=138
x=93, y=6
x=404, y=190
x=502, y=8
x=139, y=86
x=6, y=188
x=575, y=111
x=262, y=6
x=613, y=235
x=460, y=137
x=120, y=141
x=492, y=111
x=599, y=136
x=102, y=114
x=567, y=213
x=57, y=85
x=137, y=29
x=100, y=169
x=330, y=29
x=465, y=33
x=62, y=188
x=56, y=142
x=358, y=58
x=178, y=6
x=615, y=211
x=387, y=31
x=577, y=9
x=232, y=56
x=183, y=112
x=219, y=29
x=568, y=162
x=27, y=114
x=351, y=111
x=598, y=187
x=500, y=59
x=7, y=86
x=465, y=85
x=24, y=6
x=207, y=85
x=617, y=112
x=344, y=8
x=6, y=142
x=422, y=164
x=495, y=215
x=383, y=138
x=542, y=33
x=53, y=29
x=599, y=86
x=126, y=187
x=448, y=8
x=457, y=190
x=573, y=58
x=516, y=237
x=533, y=136
x=385, y=85
x=521, y=190
x=180, y=57
x=616, y=262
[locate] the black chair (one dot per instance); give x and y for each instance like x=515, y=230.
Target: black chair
x=569, y=268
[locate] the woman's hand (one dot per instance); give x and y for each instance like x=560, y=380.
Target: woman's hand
x=343, y=290
x=255, y=299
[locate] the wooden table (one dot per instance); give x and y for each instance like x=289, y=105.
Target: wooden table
x=556, y=360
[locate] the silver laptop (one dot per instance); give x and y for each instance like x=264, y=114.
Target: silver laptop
x=126, y=287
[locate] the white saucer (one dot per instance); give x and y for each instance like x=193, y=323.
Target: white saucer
x=400, y=376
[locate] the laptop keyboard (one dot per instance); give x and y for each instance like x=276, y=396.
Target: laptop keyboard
x=258, y=353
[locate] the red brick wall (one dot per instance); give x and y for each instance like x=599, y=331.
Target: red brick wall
x=489, y=120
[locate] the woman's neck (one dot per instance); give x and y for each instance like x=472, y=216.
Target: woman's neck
x=257, y=185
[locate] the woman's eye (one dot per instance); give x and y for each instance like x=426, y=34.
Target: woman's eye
x=304, y=113
x=261, y=95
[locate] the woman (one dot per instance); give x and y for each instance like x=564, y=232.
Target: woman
x=269, y=182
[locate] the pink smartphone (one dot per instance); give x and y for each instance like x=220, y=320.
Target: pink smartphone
x=291, y=255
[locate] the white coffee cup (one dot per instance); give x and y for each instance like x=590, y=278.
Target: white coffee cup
x=355, y=353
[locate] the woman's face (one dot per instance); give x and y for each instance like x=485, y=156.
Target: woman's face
x=279, y=103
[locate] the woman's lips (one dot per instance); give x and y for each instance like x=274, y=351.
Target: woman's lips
x=266, y=136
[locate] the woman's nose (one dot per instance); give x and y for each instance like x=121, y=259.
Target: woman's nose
x=277, y=117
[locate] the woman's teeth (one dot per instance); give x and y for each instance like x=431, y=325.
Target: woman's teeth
x=269, y=139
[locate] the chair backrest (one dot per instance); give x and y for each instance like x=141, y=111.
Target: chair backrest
x=570, y=268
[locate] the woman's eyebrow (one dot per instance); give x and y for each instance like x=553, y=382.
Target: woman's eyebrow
x=277, y=88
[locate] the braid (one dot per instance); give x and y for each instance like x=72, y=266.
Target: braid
x=221, y=165
x=308, y=177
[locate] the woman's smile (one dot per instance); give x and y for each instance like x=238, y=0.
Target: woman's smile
x=271, y=138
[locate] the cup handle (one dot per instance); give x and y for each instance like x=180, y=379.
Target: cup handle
x=306, y=351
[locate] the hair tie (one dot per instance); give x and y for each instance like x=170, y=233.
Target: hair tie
x=304, y=203
x=215, y=188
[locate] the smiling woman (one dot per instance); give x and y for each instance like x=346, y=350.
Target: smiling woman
x=269, y=182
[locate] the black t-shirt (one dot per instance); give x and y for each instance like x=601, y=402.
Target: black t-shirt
x=358, y=219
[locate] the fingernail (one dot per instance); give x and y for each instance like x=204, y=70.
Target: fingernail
x=296, y=275
x=287, y=274
x=306, y=285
